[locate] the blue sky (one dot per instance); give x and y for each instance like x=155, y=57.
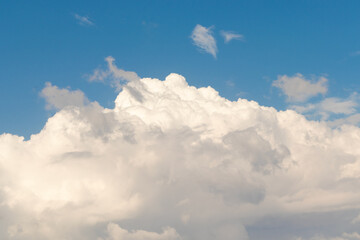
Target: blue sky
x=43, y=41
x=110, y=154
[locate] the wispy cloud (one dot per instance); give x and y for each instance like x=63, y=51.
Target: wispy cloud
x=356, y=53
x=203, y=38
x=229, y=35
x=116, y=77
x=329, y=106
x=83, y=20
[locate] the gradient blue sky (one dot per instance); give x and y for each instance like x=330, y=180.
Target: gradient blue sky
x=42, y=41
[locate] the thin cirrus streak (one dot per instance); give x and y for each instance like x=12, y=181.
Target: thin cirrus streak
x=181, y=163
x=83, y=20
x=229, y=36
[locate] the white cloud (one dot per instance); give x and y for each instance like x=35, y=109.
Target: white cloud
x=83, y=20
x=338, y=106
x=299, y=89
x=352, y=120
x=203, y=38
x=332, y=106
x=228, y=36
x=117, y=77
x=336, y=111
x=181, y=163
x=59, y=98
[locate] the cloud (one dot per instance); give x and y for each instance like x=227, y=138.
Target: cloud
x=329, y=106
x=299, y=89
x=182, y=163
x=115, y=232
x=344, y=110
x=228, y=36
x=83, y=20
x=353, y=119
x=203, y=38
x=336, y=111
x=117, y=77
x=59, y=98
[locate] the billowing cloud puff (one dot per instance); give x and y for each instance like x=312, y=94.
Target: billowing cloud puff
x=171, y=161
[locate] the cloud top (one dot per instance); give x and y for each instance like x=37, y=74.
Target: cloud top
x=203, y=38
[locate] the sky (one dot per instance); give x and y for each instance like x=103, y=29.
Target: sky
x=164, y=120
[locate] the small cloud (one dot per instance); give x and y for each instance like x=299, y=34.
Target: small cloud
x=228, y=36
x=57, y=98
x=83, y=20
x=203, y=38
x=328, y=107
x=299, y=89
x=336, y=111
x=98, y=76
x=117, y=77
x=338, y=105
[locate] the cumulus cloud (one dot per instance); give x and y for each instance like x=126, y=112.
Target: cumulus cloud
x=59, y=98
x=228, y=36
x=299, y=89
x=83, y=20
x=203, y=38
x=182, y=163
x=117, y=77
